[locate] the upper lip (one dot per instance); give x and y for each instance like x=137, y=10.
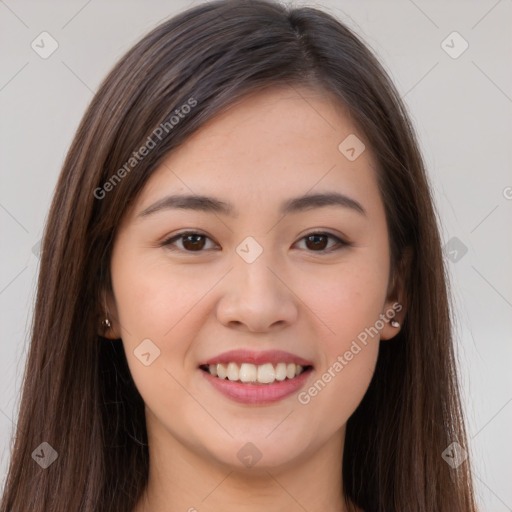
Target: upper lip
x=257, y=358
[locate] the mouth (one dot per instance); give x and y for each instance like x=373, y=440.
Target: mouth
x=256, y=377
x=249, y=373
x=264, y=389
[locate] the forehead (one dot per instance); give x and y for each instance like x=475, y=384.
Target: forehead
x=279, y=142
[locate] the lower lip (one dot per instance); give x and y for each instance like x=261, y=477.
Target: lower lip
x=257, y=393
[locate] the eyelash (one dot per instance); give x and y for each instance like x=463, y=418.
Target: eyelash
x=168, y=242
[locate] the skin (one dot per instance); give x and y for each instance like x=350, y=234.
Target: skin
x=273, y=145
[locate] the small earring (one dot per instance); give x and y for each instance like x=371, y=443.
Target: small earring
x=394, y=323
x=106, y=323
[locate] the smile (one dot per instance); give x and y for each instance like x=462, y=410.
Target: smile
x=256, y=377
x=250, y=373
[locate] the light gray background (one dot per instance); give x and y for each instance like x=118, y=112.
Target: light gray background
x=461, y=109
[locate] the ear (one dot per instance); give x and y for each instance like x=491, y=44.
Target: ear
x=395, y=307
x=108, y=311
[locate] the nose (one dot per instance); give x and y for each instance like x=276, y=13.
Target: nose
x=257, y=298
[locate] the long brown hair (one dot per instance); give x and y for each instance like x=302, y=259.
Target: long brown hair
x=78, y=394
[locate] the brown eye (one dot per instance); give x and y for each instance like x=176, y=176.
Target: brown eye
x=191, y=242
x=318, y=242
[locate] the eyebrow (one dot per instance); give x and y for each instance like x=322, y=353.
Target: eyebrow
x=214, y=205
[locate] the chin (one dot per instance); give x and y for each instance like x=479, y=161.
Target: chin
x=258, y=452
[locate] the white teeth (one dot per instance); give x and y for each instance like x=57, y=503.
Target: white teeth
x=233, y=371
x=281, y=371
x=248, y=372
x=266, y=373
x=222, y=371
x=262, y=374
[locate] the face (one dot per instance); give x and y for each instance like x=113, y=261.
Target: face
x=286, y=295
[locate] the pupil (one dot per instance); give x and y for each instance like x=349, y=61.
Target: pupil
x=315, y=238
x=190, y=239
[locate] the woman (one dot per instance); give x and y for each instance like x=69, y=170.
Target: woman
x=242, y=300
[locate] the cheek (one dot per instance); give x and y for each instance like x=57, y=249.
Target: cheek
x=155, y=304
x=336, y=390
x=151, y=298
x=348, y=360
x=347, y=302
x=348, y=306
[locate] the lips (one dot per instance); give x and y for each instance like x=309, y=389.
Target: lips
x=256, y=377
x=258, y=358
